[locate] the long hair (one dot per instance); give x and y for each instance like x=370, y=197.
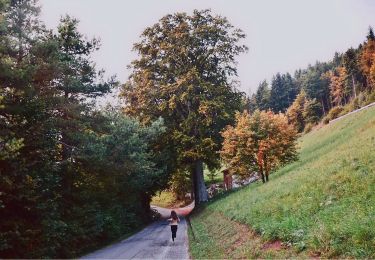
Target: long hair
x=174, y=215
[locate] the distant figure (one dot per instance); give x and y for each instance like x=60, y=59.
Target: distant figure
x=173, y=222
x=228, y=180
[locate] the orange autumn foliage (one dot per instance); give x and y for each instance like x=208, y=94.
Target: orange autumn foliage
x=260, y=143
x=367, y=62
x=337, y=85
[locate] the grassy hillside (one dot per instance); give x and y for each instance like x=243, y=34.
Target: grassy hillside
x=323, y=205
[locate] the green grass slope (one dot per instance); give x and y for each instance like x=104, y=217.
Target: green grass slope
x=322, y=205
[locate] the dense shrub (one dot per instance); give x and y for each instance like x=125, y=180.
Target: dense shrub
x=325, y=120
x=335, y=112
x=370, y=98
x=308, y=128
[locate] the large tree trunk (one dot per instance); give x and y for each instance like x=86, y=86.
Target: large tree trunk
x=266, y=168
x=192, y=191
x=324, y=111
x=145, y=204
x=354, y=90
x=261, y=173
x=200, y=191
x=267, y=173
x=262, y=176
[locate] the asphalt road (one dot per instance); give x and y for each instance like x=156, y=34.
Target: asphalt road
x=153, y=242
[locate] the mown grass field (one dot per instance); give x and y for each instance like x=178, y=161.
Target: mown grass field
x=320, y=206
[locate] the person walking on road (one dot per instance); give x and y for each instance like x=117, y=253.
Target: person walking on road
x=173, y=222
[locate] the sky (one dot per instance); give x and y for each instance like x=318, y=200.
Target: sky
x=282, y=36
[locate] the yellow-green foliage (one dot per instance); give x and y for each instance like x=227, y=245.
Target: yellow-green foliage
x=324, y=204
x=164, y=199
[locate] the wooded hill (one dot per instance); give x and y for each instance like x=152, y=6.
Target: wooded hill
x=323, y=89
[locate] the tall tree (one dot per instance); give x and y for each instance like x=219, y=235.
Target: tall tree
x=367, y=59
x=291, y=86
x=279, y=98
x=24, y=124
x=312, y=111
x=370, y=36
x=36, y=218
x=76, y=83
x=295, y=112
x=251, y=103
x=262, y=96
x=283, y=91
x=316, y=85
x=337, y=59
x=350, y=62
x=338, y=85
x=184, y=74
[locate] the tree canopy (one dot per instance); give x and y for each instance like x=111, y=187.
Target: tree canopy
x=258, y=143
x=185, y=74
x=71, y=177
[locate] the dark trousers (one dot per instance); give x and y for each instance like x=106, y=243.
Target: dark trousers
x=174, y=231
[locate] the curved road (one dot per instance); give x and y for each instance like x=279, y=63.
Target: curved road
x=154, y=241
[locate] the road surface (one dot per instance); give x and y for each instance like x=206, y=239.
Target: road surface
x=153, y=242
